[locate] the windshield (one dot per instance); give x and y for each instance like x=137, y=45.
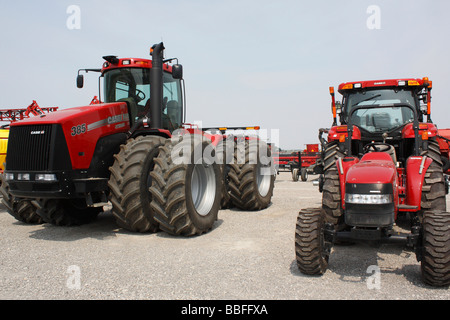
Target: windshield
x=378, y=97
x=132, y=85
x=382, y=119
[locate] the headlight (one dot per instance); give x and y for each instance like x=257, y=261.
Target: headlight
x=368, y=198
x=9, y=176
x=23, y=176
x=46, y=177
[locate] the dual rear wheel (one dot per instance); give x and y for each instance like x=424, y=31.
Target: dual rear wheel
x=152, y=189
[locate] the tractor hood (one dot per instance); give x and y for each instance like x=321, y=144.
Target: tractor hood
x=376, y=167
x=69, y=115
x=81, y=126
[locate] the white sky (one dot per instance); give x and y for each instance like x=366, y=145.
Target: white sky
x=246, y=62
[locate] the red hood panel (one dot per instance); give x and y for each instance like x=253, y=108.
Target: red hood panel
x=84, y=126
x=372, y=172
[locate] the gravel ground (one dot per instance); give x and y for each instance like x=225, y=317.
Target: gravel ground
x=247, y=255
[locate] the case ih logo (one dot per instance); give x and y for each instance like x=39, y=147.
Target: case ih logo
x=37, y=132
x=115, y=119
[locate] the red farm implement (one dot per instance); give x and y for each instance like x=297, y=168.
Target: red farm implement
x=291, y=162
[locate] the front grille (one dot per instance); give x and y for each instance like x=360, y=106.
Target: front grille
x=37, y=148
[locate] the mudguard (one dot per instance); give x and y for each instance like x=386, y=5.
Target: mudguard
x=416, y=167
x=338, y=133
x=429, y=128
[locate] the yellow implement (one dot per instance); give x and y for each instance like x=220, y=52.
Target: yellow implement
x=4, y=133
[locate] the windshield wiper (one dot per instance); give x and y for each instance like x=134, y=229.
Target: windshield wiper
x=373, y=97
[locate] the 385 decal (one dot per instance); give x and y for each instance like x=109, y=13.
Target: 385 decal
x=79, y=129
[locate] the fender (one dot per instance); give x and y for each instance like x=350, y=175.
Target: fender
x=343, y=165
x=416, y=167
x=339, y=133
x=428, y=128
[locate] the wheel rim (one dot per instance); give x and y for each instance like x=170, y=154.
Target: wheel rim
x=263, y=180
x=203, y=187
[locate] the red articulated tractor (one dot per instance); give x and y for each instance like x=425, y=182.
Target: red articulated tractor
x=133, y=150
x=380, y=167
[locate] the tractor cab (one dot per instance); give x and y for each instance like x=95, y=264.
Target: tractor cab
x=129, y=80
x=383, y=112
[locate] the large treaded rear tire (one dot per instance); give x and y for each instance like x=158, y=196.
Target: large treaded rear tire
x=186, y=191
x=433, y=189
x=331, y=192
x=129, y=183
x=251, y=180
x=311, y=252
x=434, y=244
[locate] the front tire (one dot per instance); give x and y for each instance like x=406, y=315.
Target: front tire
x=435, y=248
x=130, y=181
x=21, y=209
x=186, y=190
x=311, y=250
x=66, y=212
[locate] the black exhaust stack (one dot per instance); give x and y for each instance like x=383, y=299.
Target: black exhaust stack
x=156, y=86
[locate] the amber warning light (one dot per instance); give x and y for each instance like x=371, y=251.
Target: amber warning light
x=333, y=105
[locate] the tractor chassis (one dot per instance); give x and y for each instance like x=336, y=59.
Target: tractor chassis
x=380, y=235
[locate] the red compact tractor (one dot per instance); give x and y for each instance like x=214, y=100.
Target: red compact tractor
x=380, y=167
x=135, y=152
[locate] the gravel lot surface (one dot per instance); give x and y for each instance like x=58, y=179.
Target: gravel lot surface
x=247, y=255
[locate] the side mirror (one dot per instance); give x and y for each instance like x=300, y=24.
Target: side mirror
x=80, y=81
x=177, y=71
x=338, y=107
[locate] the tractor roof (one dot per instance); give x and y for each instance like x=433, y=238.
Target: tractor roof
x=403, y=82
x=115, y=63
